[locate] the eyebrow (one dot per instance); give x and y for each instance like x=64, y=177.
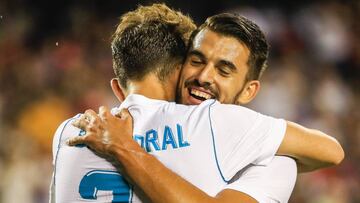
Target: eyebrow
x=197, y=53
x=228, y=64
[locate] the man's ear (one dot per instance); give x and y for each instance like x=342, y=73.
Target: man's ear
x=249, y=92
x=117, y=89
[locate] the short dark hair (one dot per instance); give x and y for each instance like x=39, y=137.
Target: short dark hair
x=246, y=32
x=150, y=39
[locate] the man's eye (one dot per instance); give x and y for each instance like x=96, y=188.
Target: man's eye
x=224, y=72
x=196, y=62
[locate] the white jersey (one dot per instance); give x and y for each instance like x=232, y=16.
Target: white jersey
x=206, y=144
x=267, y=184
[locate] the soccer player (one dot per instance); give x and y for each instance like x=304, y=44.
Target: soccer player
x=201, y=137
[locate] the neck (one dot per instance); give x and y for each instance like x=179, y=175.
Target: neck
x=152, y=88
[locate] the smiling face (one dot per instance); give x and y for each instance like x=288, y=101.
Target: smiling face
x=216, y=67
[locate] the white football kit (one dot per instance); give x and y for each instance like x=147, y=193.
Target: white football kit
x=267, y=184
x=209, y=145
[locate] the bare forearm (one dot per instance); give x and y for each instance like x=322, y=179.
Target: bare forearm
x=312, y=149
x=149, y=176
x=309, y=166
x=158, y=183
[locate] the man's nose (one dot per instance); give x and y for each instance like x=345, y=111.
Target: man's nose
x=206, y=75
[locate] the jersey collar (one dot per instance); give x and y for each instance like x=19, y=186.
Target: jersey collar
x=137, y=99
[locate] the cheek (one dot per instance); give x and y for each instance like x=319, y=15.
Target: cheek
x=227, y=90
x=188, y=72
x=186, y=75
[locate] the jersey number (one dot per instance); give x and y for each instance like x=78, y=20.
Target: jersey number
x=97, y=180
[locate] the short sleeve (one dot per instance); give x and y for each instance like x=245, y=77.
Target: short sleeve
x=243, y=136
x=58, y=136
x=273, y=183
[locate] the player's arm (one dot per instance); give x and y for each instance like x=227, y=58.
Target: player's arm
x=311, y=148
x=141, y=169
x=161, y=184
x=271, y=183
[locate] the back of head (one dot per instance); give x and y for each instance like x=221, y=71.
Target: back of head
x=246, y=32
x=150, y=39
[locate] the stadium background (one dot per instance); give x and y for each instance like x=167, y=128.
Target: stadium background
x=55, y=61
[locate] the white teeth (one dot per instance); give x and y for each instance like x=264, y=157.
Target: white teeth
x=200, y=94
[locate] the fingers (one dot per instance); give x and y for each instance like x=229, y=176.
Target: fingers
x=91, y=115
x=104, y=112
x=124, y=114
x=81, y=122
x=76, y=140
x=118, y=114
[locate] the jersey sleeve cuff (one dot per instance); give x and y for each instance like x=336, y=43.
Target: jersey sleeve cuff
x=275, y=138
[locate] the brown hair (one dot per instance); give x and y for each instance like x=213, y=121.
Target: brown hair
x=150, y=39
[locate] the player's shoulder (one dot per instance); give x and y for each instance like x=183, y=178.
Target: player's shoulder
x=168, y=108
x=216, y=105
x=233, y=113
x=204, y=105
x=210, y=108
x=66, y=130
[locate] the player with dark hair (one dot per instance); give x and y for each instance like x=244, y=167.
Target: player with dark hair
x=248, y=45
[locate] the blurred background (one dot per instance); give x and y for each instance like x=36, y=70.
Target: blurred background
x=55, y=61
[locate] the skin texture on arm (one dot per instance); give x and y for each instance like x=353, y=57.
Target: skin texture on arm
x=162, y=185
x=312, y=149
x=141, y=169
x=159, y=183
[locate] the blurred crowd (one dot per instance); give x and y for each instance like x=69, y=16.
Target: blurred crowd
x=313, y=78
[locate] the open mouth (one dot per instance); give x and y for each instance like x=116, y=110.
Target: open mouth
x=199, y=95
